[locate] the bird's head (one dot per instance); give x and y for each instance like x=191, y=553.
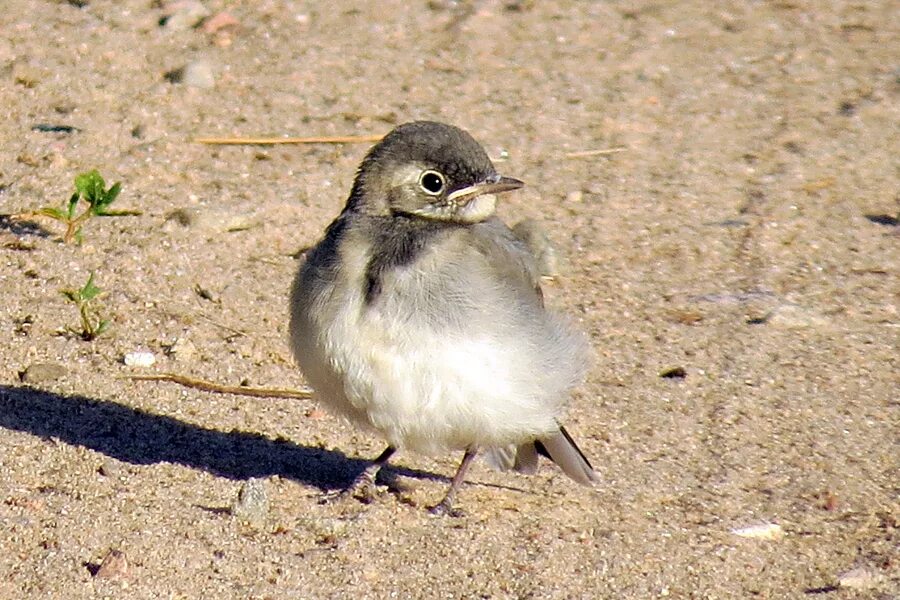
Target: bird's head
x=430, y=171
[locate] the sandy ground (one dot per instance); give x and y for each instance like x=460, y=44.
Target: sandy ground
x=746, y=233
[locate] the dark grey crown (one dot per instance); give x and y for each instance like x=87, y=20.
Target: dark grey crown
x=445, y=148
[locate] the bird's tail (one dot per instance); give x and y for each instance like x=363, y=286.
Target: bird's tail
x=558, y=447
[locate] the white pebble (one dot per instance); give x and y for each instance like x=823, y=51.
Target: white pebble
x=183, y=350
x=252, y=504
x=860, y=578
x=184, y=15
x=763, y=531
x=140, y=359
x=199, y=74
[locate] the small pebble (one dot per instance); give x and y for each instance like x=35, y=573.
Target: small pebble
x=219, y=21
x=674, y=373
x=575, y=197
x=183, y=14
x=316, y=413
x=110, y=468
x=326, y=530
x=183, y=350
x=41, y=372
x=241, y=223
x=140, y=359
x=763, y=531
x=792, y=316
x=209, y=220
x=860, y=578
x=113, y=566
x=252, y=504
x=596, y=188
x=197, y=73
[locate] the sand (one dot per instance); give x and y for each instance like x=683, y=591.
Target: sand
x=719, y=180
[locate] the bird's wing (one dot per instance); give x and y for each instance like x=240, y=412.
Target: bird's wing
x=509, y=256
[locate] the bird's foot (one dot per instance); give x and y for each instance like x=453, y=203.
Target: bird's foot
x=445, y=509
x=363, y=489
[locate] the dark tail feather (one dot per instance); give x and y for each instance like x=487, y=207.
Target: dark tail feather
x=562, y=449
x=558, y=447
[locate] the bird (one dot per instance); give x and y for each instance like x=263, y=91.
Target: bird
x=419, y=316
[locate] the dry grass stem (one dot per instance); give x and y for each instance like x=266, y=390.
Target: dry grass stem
x=602, y=152
x=210, y=386
x=260, y=141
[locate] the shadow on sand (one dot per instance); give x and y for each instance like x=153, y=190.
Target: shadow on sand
x=142, y=438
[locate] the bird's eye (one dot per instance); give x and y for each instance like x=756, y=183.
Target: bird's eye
x=432, y=182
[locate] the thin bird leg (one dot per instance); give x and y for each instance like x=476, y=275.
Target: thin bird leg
x=364, y=484
x=445, y=507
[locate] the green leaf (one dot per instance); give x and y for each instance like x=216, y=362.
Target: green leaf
x=101, y=327
x=53, y=213
x=73, y=202
x=89, y=291
x=91, y=186
x=112, y=193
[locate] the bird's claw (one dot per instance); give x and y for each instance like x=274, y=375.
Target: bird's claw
x=363, y=489
x=444, y=509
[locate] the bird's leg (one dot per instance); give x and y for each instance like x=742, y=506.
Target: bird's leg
x=364, y=484
x=445, y=507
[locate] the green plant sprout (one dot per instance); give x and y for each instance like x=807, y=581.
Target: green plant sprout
x=92, y=324
x=91, y=188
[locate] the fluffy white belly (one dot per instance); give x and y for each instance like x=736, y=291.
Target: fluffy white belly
x=432, y=392
x=450, y=357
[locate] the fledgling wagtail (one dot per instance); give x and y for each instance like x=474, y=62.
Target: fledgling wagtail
x=420, y=314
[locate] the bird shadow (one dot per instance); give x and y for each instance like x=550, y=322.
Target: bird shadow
x=139, y=437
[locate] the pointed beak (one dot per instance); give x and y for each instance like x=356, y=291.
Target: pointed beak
x=492, y=185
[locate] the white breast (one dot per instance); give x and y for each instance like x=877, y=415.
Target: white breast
x=432, y=366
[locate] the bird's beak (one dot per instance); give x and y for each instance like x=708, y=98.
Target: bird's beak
x=492, y=185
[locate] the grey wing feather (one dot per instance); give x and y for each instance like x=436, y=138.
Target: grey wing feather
x=519, y=264
x=522, y=458
x=502, y=459
x=494, y=237
x=526, y=459
x=559, y=448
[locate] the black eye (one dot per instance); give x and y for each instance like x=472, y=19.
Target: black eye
x=432, y=182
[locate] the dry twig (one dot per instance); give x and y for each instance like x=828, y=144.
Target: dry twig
x=264, y=141
x=209, y=386
x=603, y=152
